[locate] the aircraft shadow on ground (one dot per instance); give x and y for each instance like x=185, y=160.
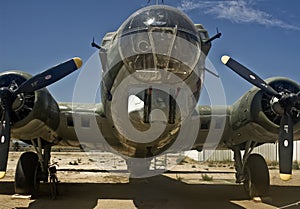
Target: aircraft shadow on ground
x=155, y=192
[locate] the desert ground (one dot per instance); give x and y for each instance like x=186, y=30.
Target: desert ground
x=81, y=187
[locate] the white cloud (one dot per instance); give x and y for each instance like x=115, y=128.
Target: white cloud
x=238, y=11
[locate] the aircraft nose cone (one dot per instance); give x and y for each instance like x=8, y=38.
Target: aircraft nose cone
x=158, y=41
x=158, y=16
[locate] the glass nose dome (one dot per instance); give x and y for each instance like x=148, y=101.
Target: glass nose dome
x=159, y=38
x=159, y=16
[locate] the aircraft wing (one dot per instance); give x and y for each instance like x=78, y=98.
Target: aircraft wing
x=80, y=124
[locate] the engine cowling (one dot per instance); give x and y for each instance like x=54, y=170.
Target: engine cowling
x=35, y=114
x=253, y=116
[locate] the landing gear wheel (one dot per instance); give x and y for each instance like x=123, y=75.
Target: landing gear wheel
x=27, y=174
x=256, y=174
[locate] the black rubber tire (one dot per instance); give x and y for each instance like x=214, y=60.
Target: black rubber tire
x=257, y=178
x=26, y=176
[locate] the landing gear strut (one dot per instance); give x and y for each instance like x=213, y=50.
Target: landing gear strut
x=252, y=171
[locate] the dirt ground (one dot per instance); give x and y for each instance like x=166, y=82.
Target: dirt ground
x=93, y=190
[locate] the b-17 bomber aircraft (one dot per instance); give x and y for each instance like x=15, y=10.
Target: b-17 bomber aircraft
x=157, y=57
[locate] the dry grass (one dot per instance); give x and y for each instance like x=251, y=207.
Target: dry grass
x=206, y=177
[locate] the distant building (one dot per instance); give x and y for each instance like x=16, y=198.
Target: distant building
x=269, y=151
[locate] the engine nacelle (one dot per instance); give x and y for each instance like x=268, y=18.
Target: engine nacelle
x=35, y=114
x=253, y=118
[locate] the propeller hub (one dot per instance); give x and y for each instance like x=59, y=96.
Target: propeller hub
x=276, y=107
x=288, y=101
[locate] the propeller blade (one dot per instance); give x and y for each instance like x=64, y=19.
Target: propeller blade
x=49, y=76
x=4, y=141
x=286, y=146
x=298, y=97
x=249, y=75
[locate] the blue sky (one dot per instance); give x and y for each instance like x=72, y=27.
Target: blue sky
x=263, y=35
